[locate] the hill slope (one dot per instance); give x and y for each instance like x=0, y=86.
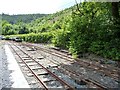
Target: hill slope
x=90, y=28
x=26, y=18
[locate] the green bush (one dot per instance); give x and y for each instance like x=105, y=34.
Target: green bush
x=7, y=38
x=36, y=38
x=61, y=38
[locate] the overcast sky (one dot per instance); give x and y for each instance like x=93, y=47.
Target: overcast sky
x=34, y=6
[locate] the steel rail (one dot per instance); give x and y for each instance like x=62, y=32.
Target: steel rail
x=55, y=76
x=93, y=62
x=102, y=87
x=29, y=68
x=85, y=80
x=107, y=71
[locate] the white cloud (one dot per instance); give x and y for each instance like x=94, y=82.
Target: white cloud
x=33, y=6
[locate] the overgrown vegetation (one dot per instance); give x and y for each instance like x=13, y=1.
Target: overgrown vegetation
x=90, y=27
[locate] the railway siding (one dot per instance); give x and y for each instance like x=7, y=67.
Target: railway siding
x=70, y=71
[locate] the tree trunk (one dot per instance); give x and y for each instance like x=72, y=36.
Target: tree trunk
x=115, y=9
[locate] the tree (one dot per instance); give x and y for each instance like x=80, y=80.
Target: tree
x=115, y=13
x=6, y=27
x=115, y=9
x=23, y=30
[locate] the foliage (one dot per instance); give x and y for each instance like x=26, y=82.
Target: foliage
x=7, y=28
x=35, y=38
x=61, y=38
x=26, y=18
x=94, y=32
x=89, y=28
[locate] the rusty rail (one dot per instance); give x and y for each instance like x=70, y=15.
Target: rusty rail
x=60, y=80
x=29, y=68
x=85, y=80
x=104, y=70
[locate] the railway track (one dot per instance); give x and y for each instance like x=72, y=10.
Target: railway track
x=43, y=69
x=28, y=58
x=71, y=73
x=107, y=70
x=81, y=80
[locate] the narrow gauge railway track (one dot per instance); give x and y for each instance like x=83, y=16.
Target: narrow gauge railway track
x=80, y=76
x=71, y=88
x=107, y=70
x=56, y=78
x=84, y=79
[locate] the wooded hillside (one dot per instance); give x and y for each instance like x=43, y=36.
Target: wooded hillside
x=88, y=27
x=26, y=18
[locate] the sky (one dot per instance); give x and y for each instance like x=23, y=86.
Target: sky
x=34, y=6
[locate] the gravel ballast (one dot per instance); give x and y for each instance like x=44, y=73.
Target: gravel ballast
x=10, y=73
x=5, y=81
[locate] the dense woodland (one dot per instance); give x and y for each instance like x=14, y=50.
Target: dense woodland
x=88, y=27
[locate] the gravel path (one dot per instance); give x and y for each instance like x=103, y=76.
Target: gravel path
x=10, y=73
x=5, y=81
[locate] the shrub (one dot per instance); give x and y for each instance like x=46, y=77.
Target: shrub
x=61, y=38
